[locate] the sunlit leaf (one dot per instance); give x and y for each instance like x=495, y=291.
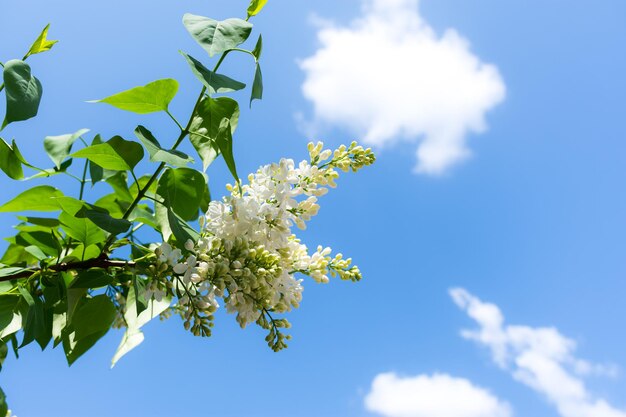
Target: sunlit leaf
x=82, y=230
x=59, y=147
x=9, y=162
x=115, y=154
x=217, y=36
x=39, y=198
x=133, y=336
x=153, y=97
x=255, y=7
x=41, y=44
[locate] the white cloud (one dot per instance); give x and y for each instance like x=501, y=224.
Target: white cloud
x=438, y=395
x=539, y=357
x=389, y=76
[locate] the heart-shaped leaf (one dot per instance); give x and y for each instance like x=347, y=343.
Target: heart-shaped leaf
x=23, y=92
x=217, y=36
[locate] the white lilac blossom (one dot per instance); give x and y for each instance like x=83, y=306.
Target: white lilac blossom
x=249, y=256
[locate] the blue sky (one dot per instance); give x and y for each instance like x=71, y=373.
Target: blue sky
x=533, y=221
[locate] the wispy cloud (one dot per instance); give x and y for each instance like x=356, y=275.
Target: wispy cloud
x=539, y=357
x=388, y=76
x=439, y=395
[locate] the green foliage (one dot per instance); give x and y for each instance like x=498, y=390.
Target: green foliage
x=215, y=83
x=66, y=279
x=215, y=36
x=255, y=7
x=224, y=142
x=205, y=126
x=39, y=198
x=257, y=85
x=4, y=408
x=41, y=44
x=117, y=154
x=182, y=190
x=23, y=92
x=9, y=161
x=157, y=153
x=59, y=147
x=135, y=320
x=153, y=97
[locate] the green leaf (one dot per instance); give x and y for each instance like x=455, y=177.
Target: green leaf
x=43, y=240
x=8, y=304
x=206, y=196
x=82, y=230
x=153, y=97
x=255, y=7
x=82, y=253
x=14, y=326
x=9, y=162
x=4, y=351
x=11, y=270
x=39, y=198
x=225, y=144
x=94, y=316
x=96, y=172
x=217, y=36
x=4, y=408
x=182, y=190
x=75, y=348
x=143, y=182
x=45, y=173
x=181, y=229
x=133, y=336
x=70, y=205
x=40, y=221
x=92, y=278
x=59, y=322
x=36, y=252
x=143, y=214
x=258, y=48
x=101, y=218
x=139, y=284
x=112, y=204
x=36, y=327
x=116, y=154
x=215, y=83
x=23, y=92
x=257, y=85
x=41, y=44
x=130, y=340
x=5, y=286
x=58, y=147
x=205, y=125
x=162, y=221
x=74, y=296
x=19, y=155
x=157, y=153
x=119, y=184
